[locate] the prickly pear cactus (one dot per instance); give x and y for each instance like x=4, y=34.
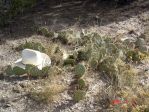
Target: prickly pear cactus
x=33, y=71
x=9, y=70
x=18, y=71
x=69, y=62
x=44, y=31
x=140, y=42
x=45, y=71
x=79, y=70
x=81, y=84
x=83, y=55
x=94, y=63
x=62, y=36
x=31, y=45
x=78, y=95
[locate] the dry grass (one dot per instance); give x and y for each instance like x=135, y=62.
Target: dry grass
x=137, y=99
x=48, y=94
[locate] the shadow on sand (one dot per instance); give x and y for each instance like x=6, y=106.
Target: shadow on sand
x=58, y=16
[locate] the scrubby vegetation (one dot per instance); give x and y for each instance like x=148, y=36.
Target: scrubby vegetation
x=79, y=70
x=47, y=94
x=45, y=32
x=31, y=45
x=112, y=59
x=30, y=70
x=81, y=57
x=11, y=8
x=78, y=95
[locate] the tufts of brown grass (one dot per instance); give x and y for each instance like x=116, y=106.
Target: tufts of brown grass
x=48, y=94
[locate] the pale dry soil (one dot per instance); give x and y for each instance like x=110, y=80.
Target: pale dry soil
x=129, y=21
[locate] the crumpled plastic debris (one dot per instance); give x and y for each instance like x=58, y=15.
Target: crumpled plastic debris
x=33, y=57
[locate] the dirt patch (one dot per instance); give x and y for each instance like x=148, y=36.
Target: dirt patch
x=129, y=21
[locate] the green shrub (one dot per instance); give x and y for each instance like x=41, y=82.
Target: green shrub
x=18, y=71
x=78, y=95
x=31, y=45
x=81, y=84
x=79, y=70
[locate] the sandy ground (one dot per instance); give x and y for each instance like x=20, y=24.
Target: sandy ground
x=115, y=23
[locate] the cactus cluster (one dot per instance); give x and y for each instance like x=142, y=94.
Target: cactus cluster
x=62, y=36
x=18, y=71
x=45, y=32
x=78, y=95
x=69, y=62
x=83, y=55
x=81, y=84
x=135, y=55
x=14, y=71
x=9, y=70
x=30, y=70
x=33, y=71
x=79, y=70
x=31, y=45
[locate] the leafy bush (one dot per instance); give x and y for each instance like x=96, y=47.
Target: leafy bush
x=78, y=95
x=79, y=70
x=31, y=45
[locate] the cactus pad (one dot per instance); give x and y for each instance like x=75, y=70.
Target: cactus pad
x=79, y=70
